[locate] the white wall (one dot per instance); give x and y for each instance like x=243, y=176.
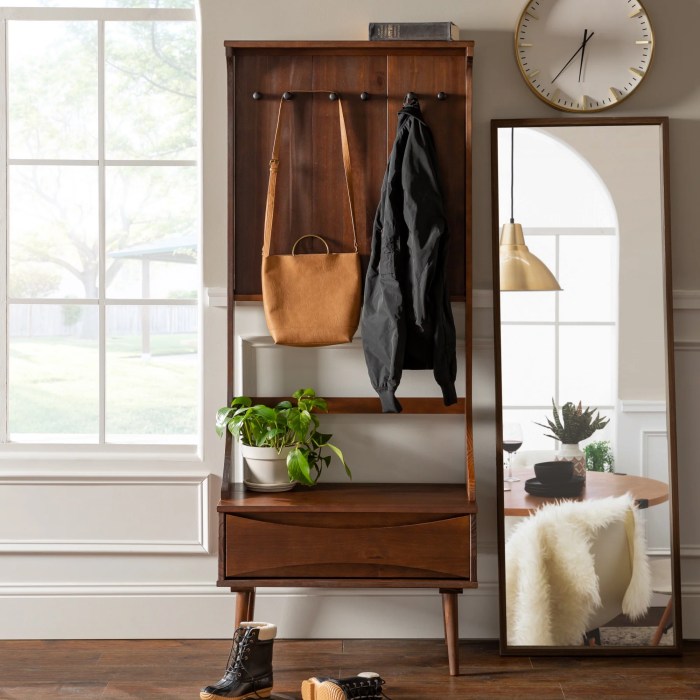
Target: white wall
x=60, y=592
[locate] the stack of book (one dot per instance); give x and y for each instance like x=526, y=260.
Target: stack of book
x=413, y=31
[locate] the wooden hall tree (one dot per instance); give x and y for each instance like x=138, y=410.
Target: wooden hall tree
x=346, y=535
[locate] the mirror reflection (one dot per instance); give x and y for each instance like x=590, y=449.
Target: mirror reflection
x=585, y=382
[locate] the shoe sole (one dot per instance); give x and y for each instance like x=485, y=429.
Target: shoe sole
x=313, y=690
x=261, y=693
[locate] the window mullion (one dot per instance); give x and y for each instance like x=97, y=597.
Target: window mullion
x=102, y=224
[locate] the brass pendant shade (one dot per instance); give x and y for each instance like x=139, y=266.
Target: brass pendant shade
x=520, y=270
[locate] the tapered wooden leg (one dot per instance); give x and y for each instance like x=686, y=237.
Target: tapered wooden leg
x=658, y=633
x=245, y=605
x=451, y=620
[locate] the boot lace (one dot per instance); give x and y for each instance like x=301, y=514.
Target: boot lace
x=240, y=651
x=364, y=688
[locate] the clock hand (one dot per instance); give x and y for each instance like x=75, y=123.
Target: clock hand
x=574, y=56
x=583, y=51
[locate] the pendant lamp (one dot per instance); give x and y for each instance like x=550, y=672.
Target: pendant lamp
x=520, y=270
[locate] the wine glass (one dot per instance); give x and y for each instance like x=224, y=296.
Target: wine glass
x=512, y=441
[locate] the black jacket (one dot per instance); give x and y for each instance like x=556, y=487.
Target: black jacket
x=406, y=318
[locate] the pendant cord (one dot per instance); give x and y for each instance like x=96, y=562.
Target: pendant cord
x=512, y=169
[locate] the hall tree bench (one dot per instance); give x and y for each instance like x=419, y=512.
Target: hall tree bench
x=350, y=535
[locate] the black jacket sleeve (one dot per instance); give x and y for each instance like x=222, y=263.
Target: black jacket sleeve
x=383, y=323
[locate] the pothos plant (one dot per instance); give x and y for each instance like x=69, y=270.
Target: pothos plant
x=284, y=425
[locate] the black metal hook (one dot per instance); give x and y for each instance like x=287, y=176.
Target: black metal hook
x=442, y=95
x=364, y=96
x=257, y=95
x=288, y=96
x=333, y=96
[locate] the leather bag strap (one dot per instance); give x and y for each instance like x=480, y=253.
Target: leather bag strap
x=274, y=166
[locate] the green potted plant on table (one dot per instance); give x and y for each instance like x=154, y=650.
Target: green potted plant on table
x=575, y=424
x=281, y=445
x=599, y=456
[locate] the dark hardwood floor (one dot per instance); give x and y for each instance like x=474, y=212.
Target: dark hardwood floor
x=414, y=670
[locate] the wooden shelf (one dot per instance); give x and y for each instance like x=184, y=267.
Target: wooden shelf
x=371, y=404
x=354, y=498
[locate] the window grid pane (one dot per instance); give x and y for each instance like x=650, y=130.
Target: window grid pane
x=581, y=356
x=53, y=369
x=48, y=342
x=151, y=353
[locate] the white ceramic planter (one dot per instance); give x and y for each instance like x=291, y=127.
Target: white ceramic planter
x=265, y=469
x=573, y=453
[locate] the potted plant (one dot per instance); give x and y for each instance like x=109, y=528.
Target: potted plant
x=599, y=456
x=281, y=445
x=574, y=425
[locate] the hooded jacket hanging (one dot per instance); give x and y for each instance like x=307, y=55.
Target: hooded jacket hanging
x=406, y=318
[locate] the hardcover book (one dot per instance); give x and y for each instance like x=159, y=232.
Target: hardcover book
x=413, y=31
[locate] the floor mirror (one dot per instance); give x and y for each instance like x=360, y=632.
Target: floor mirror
x=586, y=455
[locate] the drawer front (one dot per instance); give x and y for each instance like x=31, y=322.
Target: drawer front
x=342, y=545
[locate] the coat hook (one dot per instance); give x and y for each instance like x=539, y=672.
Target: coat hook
x=288, y=96
x=257, y=95
x=410, y=96
x=364, y=96
x=333, y=96
x=442, y=95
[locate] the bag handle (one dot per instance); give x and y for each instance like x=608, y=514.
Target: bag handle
x=274, y=166
x=310, y=235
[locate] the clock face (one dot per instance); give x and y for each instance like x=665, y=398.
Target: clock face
x=583, y=55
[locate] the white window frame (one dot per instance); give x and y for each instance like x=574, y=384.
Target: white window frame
x=81, y=453
x=557, y=323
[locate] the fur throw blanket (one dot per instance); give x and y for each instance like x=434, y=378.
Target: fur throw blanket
x=551, y=584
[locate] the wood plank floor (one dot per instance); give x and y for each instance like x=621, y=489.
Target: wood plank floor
x=414, y=670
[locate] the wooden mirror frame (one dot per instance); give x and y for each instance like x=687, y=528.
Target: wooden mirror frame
x=506, y=649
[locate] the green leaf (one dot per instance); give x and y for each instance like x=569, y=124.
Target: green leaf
x=223, y=416
x=283, y=404
x=303, y=393
x=338, y=453
x=320, y=439
x=298, y=467
x=299, y=422
x=244, y=401
x=266, y=413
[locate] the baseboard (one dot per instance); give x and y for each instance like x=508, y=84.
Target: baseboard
x=202, y=611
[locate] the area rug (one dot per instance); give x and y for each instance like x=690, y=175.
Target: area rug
x=632, y=636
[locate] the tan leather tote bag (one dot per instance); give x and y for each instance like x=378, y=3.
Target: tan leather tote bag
x=311, y=299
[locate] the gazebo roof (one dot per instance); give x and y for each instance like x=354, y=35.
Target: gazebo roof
x=179, y=249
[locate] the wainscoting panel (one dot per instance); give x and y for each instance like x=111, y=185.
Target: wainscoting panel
x=134, y=514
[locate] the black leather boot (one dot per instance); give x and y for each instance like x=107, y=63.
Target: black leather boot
x=249, y=668
x=363, y=686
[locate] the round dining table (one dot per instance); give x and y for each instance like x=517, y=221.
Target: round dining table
x=646, y=492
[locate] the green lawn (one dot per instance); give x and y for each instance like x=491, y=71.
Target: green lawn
x=54, y=386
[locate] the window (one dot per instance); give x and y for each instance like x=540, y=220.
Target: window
x=100, y=228
x=560, y=345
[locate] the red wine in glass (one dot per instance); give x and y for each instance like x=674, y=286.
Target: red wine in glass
x=512, y=441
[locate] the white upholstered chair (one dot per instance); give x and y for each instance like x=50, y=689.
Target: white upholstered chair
x=573, y=566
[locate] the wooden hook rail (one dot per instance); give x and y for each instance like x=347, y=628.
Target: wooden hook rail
x=364, y=96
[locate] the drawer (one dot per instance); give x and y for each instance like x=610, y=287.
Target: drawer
x=347, y=545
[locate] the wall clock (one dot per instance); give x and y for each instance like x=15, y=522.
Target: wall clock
x=583, y=55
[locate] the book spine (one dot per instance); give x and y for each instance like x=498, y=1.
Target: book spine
x=413, y=31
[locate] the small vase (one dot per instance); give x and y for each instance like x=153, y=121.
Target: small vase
x=572, y=453
x=266, y=469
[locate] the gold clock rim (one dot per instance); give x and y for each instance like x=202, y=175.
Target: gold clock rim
x=571, y=110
